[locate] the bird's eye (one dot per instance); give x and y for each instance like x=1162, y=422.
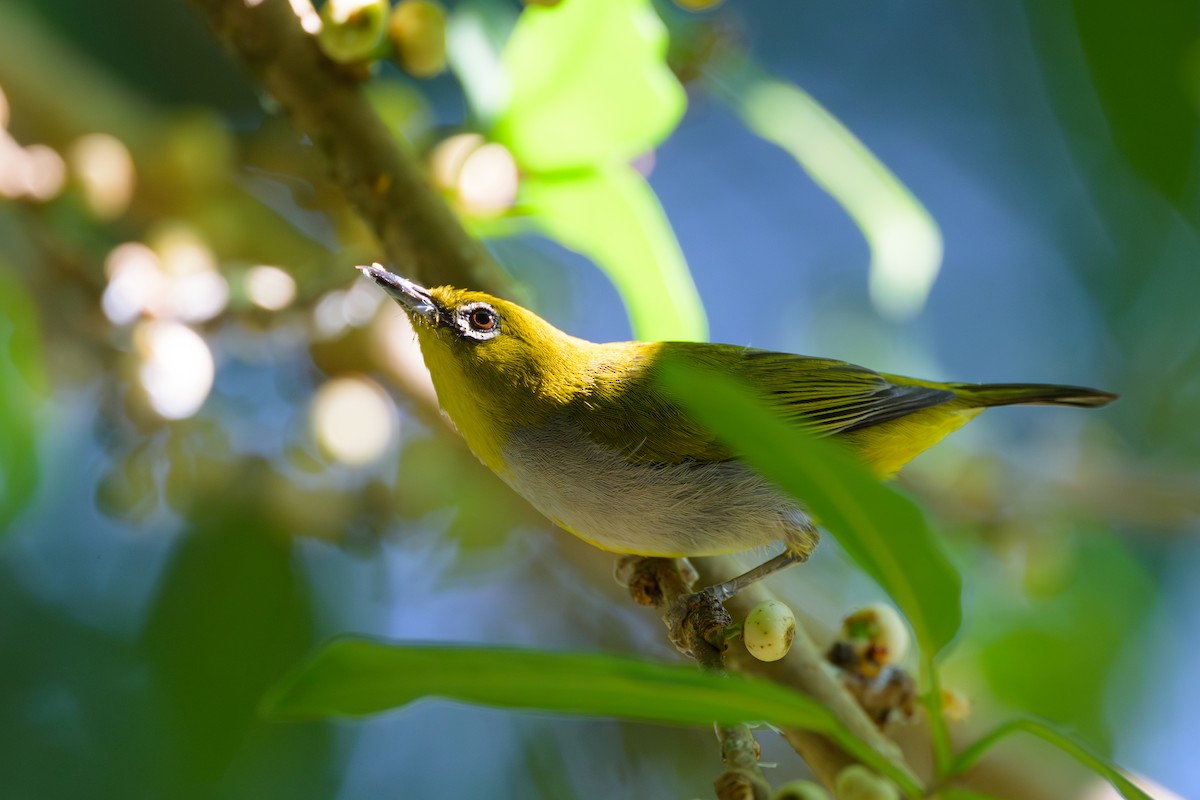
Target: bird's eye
x=478, y=321
x=483, y=319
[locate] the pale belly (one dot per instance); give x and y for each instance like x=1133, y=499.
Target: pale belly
x=689, y=509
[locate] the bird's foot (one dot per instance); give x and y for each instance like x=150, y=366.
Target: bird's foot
x=695, y=620
x=697, y=624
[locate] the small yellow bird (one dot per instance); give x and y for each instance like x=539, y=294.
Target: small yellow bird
x=584, y=432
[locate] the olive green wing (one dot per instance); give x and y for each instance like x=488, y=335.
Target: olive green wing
x=834, y=397
x=627, y=409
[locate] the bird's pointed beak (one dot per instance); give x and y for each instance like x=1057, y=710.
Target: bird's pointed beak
x=414, y=299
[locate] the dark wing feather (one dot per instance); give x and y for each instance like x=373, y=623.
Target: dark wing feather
x=832, y=397
x=628, y=411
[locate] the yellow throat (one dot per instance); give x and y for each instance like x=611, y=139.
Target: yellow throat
x=583, y=432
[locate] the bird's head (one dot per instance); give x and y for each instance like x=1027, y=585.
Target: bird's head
x=484, y=352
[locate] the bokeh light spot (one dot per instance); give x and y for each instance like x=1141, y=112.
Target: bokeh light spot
x=14, y=166
x=176, y=369
x=47, y=172
x=487, y=183
x=449, y=156
x=353, y=420
x=310, y=20
x=135, y=282
x=196, y=297
x=270, y=287
x=104, y=169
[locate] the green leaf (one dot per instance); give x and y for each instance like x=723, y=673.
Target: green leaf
x=233, y=611
x=905, y=241
x=1062, y=741
x=475, y=38
x=1053, y=649
x=612, y=217
x=588, y=85
x=1143, y=70
x=24, y=385
x=353, y=677
x=433, y=477
x=881, y=529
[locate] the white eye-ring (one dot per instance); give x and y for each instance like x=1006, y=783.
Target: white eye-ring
x=478, y=321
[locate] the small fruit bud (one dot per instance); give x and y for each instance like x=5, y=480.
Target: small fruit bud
x=856, y=782
x=353, y=30
x=956, y=706
x=769, y=630
x=878, y=630
x=800, y=790
x=418, y=32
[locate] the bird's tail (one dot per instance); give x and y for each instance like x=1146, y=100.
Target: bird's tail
x=984, y=395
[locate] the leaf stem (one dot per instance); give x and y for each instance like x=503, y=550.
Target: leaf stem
x=1077, y=750
x=943, y=753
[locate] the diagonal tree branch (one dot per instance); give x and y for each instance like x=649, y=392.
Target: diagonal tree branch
x=417, y=228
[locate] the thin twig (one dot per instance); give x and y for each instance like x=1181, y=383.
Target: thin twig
x=664, y=583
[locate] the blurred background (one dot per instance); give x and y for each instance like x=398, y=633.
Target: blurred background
x=217, y=451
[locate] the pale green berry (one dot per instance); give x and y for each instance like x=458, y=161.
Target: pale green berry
x=856, y=782
x=768, y=630
x=353, y=30
x=800, y=790
x=418, y=32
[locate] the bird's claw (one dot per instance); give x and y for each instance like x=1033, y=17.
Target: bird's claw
x=697, y=623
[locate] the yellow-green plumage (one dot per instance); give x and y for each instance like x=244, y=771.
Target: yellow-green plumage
x=585, y=433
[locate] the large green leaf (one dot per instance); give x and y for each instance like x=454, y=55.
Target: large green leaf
x=353, y=677
x=611, y=216
x=22, y=385
x=1054, y=651
x=232, y=612
x=588, y=84
x=1145, y=74
x=881, y=529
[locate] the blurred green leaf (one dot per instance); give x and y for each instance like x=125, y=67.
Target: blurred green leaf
x=128, y=489
x=353, y=677
x=589, y=84
x=232, y=613
x=70, y=693
x=905, y=241
x=475, y=38
x=1140, y=64
x=1054, y=655
x=881, y=529
x=24, y=385
x=612, y=216
x=433, y=476
x=1062, y=741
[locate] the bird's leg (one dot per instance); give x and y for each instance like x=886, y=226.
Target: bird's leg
x=799, y=544
x=727, y=589
x=702, y=615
